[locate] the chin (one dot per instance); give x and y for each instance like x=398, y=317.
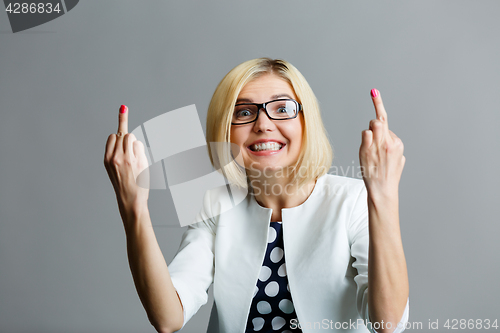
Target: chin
x=263, y=167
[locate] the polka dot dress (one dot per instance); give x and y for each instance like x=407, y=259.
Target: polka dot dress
x=272, y=307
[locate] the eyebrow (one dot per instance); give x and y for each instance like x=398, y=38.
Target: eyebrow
x=248, y=100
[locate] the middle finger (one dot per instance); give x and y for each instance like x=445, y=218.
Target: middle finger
x=379, y=107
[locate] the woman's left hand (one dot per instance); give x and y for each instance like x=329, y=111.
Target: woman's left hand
x=381, y=154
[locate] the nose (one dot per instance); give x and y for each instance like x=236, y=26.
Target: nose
x=263, y=123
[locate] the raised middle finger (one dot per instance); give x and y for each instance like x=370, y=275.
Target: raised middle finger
x=123, y=120
x=379, y=107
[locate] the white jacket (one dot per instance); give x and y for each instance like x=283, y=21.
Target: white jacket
x=326, y=255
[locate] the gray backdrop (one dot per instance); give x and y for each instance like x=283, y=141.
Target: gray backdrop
x=63, y=263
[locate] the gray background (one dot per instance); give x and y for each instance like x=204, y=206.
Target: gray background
x=63, y=264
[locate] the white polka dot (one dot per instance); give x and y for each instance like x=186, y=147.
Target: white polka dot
x=278, y=323
x=272, y=289
x=282, y=270
x=263, y=307
x=272, y=235
x=258, y=323
x=255, y=291
x=265, y=273
x=276, y=254
x=286, y=306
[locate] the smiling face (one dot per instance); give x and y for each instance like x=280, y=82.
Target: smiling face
x=283, y=138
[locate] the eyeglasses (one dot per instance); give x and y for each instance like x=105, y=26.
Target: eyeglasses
x=279, y=109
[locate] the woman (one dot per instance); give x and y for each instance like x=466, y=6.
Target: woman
x=305, y=251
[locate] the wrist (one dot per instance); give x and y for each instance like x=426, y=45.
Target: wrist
x=132, y=213
x=382, y=193
x=383, y=198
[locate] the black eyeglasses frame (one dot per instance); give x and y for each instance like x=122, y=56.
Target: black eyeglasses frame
x=264, y=106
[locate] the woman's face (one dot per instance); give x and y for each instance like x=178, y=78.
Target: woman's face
x=287, y=133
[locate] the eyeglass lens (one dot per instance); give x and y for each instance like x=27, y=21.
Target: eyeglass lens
x=276, y=110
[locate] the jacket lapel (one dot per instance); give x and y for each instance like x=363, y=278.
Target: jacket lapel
x=243, y=233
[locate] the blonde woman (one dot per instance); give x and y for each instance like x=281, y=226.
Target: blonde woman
x=305, y=251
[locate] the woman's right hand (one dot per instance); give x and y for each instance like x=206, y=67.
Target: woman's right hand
x=124, y=160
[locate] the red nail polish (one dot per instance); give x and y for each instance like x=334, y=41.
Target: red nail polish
x=123, y=108
x=374, y=93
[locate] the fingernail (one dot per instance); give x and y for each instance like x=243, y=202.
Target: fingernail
x=374, y=93
x=123, y=108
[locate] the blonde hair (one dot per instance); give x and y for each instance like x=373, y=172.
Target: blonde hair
x=316, y=153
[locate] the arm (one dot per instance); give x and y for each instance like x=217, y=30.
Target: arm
x=387, y=274
x=124, y=160
x=382, y=160
x=151, y=276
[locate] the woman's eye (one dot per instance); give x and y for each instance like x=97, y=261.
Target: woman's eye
x=243, y=113
x=282, y=110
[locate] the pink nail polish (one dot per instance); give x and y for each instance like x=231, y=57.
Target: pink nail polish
x=374, y=93
x=123, y=108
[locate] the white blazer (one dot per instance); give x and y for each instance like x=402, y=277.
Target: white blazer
x=326, y=254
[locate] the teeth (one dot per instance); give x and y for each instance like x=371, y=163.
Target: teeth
x=266, y=146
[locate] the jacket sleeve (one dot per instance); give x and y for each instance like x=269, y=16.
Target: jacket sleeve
x=192, y=269
x=359, y=240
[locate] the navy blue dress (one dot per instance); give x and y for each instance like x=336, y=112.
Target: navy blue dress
x=272, y=307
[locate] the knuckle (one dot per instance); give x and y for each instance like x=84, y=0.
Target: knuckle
x=127, y=162
x=115, y=160
x=139, y=144
x=375, y=123
x=398, y=144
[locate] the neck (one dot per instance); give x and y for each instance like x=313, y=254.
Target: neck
x=278, y=193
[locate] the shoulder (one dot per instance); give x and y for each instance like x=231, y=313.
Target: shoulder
x=222, y=198
x=335, y=193
x=225, y=194
x=342, y=180
x=333, y=185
